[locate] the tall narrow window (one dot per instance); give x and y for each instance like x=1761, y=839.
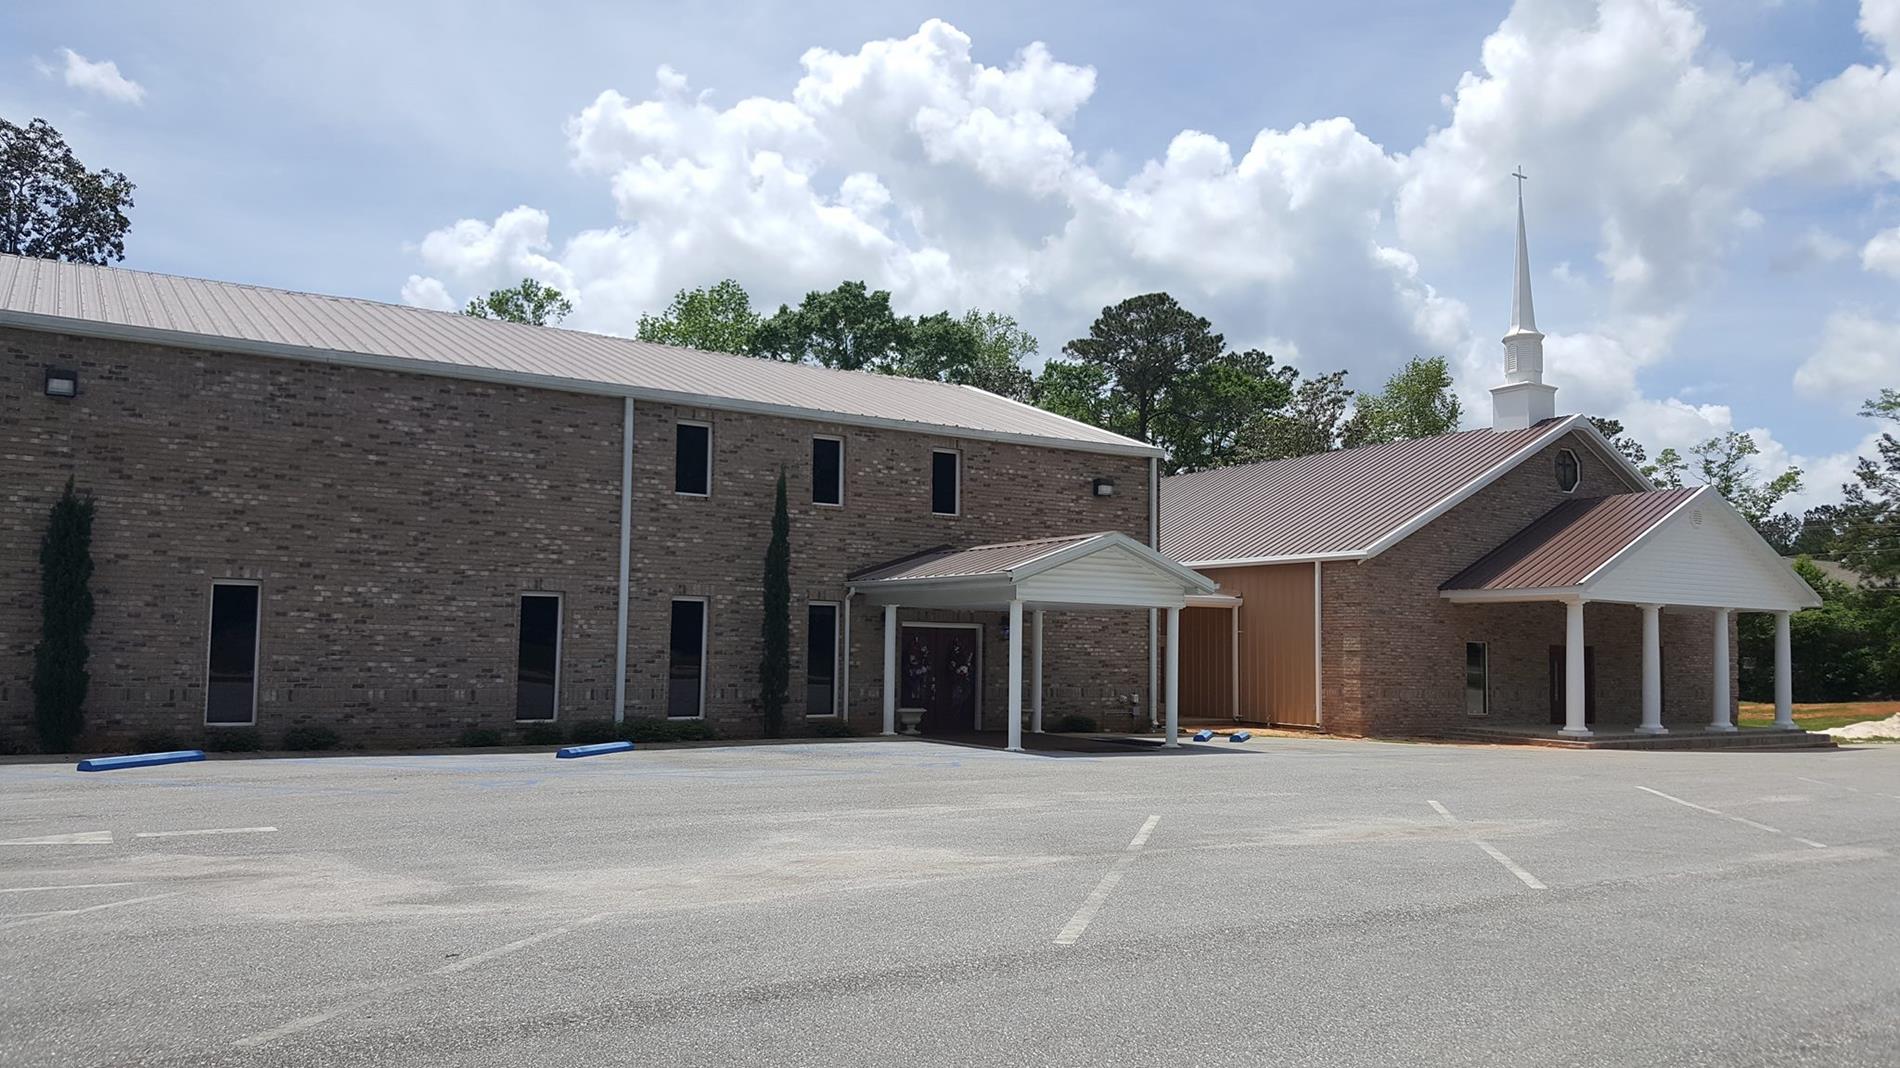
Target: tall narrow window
x=538, y=657
x=827, y=470
x=686, y=661
x=1477, y=679
x=944, y=476
x=231, y=664
x=692, y=459
x=821, y=659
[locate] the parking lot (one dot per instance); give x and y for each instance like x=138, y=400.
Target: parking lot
x=1292, y=901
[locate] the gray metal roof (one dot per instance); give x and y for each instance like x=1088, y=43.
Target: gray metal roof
x=138, y=305
x=1568, y=543
x=946, y=562
x=1338, y=503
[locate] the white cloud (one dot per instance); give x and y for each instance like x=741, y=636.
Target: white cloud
x=100, y=76
x=1858, y=355
x=1882, y=251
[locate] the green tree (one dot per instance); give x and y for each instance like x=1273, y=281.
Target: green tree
x=1081, y=391
x=1418, y=402
x=60, y=678
x=1147, y=345
x=775, y=634
x=981, y=349
x=1668, y=470
x=1312, y=421
x=1612, y=431
x=716, y=319
x=1727, y=465
x=51, y=206
x=1870, y=516
x=1224, y=412
x=530, y=303
x=850, y=328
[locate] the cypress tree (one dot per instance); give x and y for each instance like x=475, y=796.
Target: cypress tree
x=775, y=661
x=59, y=660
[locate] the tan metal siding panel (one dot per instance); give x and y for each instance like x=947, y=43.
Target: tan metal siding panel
x=1276, y=640
x=1207, y=663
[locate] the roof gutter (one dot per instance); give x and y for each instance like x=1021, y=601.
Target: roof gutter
x=54, y=324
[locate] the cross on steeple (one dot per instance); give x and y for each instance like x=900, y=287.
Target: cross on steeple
x=1521, y=179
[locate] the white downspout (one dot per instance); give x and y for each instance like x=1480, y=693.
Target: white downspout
x=626, y=558
x=1154, y=620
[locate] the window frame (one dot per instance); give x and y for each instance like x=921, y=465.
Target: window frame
x=677, y=424
x=957, y=481
x=705, y=653
x=1576, y=462
x=257, y=647
x=1484, y=660
x=837, y=657
x=839, y=503
x=560, y=642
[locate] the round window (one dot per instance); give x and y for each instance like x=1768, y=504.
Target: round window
x=1567, y=470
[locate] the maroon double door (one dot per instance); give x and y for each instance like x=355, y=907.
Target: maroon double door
x=942, y=672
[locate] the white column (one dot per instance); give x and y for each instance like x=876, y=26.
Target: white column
x=1719, y=718
x=1174, y=677
x=1784, y=675
x=1154, y=683
x=1015, y=676
x=1035, y=673
x=890, y=669
x=1652, y=671
x=1576, y=698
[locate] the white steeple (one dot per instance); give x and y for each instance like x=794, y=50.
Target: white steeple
x=1523, y=399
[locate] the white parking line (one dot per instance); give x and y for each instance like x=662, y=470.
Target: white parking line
x=79, y=838
x=42, y=916
x=62, y=886
x=380, y=994
x=1072, y=931
x=1738, y=819
x=203, y=831
x=1492, y=851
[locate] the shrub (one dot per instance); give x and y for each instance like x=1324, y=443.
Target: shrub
x=480, y=737
x=232, y=740
x=311, y=739
x=157, y=742
x=1075, y=723
x=541, y=734
x=667, y=730
x=593, y=731
x=833, y=729
x=59, y=659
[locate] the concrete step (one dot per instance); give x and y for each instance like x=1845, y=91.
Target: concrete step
x=1742, y=739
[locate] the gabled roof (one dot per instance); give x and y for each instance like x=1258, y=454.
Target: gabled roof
x=1019, y=560
x=1570, y=542
x=1345, y=504
x=112, y=302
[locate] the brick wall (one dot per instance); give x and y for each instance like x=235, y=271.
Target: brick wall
x=394, y=520
x=1393, y=652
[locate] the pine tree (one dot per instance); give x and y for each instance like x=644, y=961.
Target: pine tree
x=776, y=630
x=59, y=660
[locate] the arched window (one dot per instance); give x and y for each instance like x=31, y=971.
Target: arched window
x=1568, y=471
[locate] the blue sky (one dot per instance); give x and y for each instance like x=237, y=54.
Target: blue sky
x=1712, y=199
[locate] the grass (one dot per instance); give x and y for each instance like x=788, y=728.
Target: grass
x=1819, y=716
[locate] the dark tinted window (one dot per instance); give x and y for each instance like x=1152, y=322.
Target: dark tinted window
x=1477, y=680
x=821, y=659
x=827, y=471
x=943, y=483
x=231, y=685
x=692, y=459
x=537, y=662
x=687, y=660
x=1568, y=473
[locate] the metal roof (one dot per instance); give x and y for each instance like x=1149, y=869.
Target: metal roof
x=1566, y=545
x=137, y=305
x=1333, y=504
x=946, y=562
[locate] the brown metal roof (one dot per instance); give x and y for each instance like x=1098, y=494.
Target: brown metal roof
x=1564, y=546
x=999, y=559
x=1327, y=503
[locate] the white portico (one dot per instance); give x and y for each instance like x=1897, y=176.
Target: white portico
x=1664, y=549
x=1026, y=579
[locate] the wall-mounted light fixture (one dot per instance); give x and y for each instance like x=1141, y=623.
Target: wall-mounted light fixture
x=61, y=383
x=1104, y=487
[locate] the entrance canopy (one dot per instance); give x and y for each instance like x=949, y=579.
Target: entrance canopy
x=1102, y=570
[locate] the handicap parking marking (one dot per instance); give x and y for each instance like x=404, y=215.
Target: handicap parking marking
x=1745, y=821
x=1490, y=850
